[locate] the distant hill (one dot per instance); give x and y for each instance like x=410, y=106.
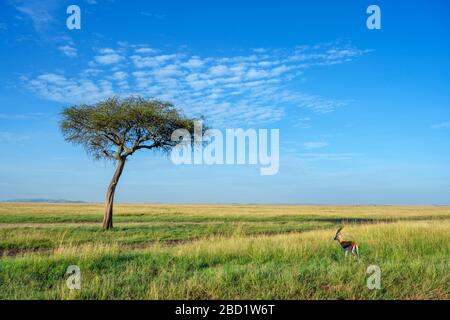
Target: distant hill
x=43, y=200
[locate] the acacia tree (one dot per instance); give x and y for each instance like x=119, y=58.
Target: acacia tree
x=114, y=129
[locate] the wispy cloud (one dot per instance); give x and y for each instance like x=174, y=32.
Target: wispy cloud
x=69, y=51
x=314, y=145
x=315, y=103
x=158, y=16
x=39, y=12
x=43, y=14
x=327, y=156
x=251, y=89
x=12, y=137
x=443, y=125
x=57, y=87
x=108, y=56
x=48, y=20
x=21, y=116
x=303, y=123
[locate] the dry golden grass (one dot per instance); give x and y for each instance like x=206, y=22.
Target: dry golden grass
x=211, y=252
x=223, y=210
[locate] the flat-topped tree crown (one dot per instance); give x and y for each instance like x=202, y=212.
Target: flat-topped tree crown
x=116, y=128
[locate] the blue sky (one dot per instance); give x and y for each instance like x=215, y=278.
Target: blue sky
x=364, y=115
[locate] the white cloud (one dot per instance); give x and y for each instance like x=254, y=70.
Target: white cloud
x=12, y=137
x=327, y=156
x=167, y=71
x=218, y=71
x=69, y=51
x=41, y=13
x=314, y=103
x=53, y=78
x=152, y=61
x=158, y=16
x=314, y=145
x=108, y=56
x=193, y=63
x=256, y=74
x=57, y=88
x=245, y=90
x=91, y=72
x=21, y=116
x=260, y=50
x=145, y=50
x=303, y=123
x=120, y=75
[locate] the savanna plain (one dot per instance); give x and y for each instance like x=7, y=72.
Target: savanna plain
x=223, y=251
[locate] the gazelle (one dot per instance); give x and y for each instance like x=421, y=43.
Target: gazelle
x=346, y=245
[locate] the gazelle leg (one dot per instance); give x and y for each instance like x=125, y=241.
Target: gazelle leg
x=346, y=252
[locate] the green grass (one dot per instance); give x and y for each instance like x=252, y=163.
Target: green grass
x=40, y=237
x=223, y=252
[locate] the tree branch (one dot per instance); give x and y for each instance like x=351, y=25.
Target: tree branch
x=147, y=147
x=113, y=140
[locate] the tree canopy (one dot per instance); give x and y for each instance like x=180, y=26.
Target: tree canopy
x=115, y=128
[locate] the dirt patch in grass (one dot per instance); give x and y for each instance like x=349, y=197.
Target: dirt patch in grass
x=14, y=252
x=18, y=252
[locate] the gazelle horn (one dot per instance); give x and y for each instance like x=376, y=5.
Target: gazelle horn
x=339, y=230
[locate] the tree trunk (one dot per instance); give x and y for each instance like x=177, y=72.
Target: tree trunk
x=108, y=217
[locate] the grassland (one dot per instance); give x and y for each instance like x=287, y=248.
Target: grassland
x=223, y=252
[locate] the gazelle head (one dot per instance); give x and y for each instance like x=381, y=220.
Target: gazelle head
x=338, y=234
